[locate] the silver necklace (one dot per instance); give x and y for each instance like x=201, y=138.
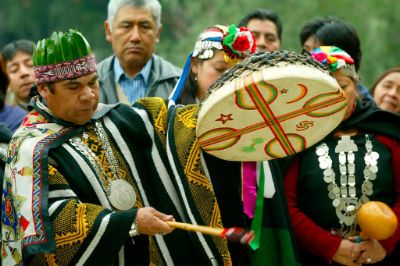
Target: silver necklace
x=120, y=192
x=344, y=197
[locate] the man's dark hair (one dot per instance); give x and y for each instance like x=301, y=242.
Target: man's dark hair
x=10, y=49
x=34, y=90
x=263, y=14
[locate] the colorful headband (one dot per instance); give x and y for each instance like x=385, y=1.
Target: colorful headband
x=237, y=43
x=335, y=58
x=63, y=56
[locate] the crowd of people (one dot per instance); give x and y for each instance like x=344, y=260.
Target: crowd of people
x=98, y=158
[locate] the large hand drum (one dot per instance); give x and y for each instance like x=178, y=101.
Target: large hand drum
x=269, y=106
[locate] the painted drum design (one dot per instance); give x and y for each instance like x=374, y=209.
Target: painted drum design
x=269, y=106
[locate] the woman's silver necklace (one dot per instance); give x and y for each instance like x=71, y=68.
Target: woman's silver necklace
x=344, y=197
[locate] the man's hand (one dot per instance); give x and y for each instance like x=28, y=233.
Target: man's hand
x=151, y=222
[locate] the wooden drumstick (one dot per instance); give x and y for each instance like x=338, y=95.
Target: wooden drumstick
x=236, y=234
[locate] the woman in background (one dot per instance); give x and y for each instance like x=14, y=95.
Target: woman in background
x=386, y=90
x=10, y=116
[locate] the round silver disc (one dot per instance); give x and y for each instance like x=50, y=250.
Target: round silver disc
x=122, y=195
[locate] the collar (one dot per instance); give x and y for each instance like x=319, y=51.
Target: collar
x=368, y=117
x=120, y=73
x=39, y=104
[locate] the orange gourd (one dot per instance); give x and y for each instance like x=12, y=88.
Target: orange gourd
x=377, y=220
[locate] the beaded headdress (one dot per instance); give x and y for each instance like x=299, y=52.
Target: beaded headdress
x=65, y=55
x=335, y=58
x=237, y=44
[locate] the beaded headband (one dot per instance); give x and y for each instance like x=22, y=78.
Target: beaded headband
x=335, y=58
x=237, y=43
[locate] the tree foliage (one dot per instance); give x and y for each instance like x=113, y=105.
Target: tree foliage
x=377, y=23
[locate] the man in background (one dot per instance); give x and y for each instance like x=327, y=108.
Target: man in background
x=134, y=70
x=266, y=27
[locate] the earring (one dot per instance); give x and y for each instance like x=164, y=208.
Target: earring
x=195, y=77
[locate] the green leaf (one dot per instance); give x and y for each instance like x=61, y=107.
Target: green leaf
x=38, y=56
x=72, y=46
x=35, y=55
x=65, y=47
x=49, y=52
x=80, y=42
x=58, y=56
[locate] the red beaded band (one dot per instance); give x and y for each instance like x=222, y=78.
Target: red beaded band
x=65, y=70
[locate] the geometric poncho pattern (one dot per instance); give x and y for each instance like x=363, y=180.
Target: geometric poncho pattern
x=53, y=183
x=55, y=211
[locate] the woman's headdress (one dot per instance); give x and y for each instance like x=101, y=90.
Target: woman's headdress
x=237, y=44
x=335, y=58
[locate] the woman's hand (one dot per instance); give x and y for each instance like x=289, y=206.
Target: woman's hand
x=369, y=251
x=344, y=253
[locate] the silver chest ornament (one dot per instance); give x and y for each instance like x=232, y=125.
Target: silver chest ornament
x=344, y=197
x=120, y=193
x=122, y=196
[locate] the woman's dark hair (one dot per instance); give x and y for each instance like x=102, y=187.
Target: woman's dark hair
x=190, y=89
x=311, y=27
x=4, y=81
x=10, y=49
x=341, y=34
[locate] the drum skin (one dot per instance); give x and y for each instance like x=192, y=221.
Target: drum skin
x=269, y=111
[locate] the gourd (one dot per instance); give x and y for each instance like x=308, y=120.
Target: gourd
x=377, y=220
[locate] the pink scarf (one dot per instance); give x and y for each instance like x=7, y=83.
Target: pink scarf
x=249, y=173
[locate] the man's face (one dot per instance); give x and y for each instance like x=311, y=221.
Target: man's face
x=22, y=76
x=133, y=37
x=73, y=100
x=266, y=34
